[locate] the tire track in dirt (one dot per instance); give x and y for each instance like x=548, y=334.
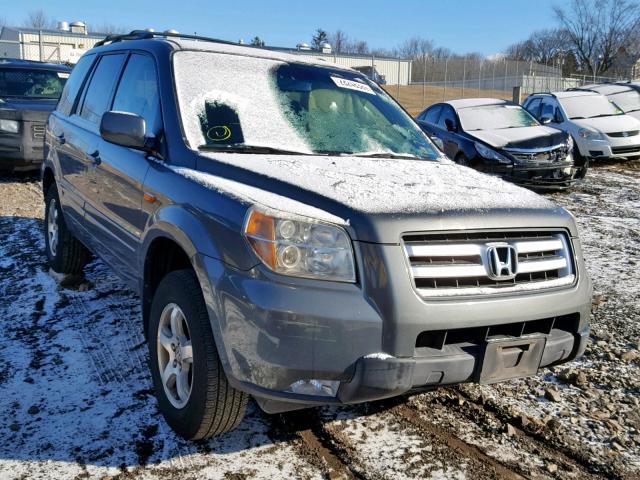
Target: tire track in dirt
x=532, y=437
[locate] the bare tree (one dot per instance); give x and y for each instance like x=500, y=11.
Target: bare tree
x=319, y=38
x=39, y=19
x=109, y=28
x=339, y=41
x=599, y=29
x=542, y=46
x=415, y=48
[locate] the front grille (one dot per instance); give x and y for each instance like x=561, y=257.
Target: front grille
x=631, y=133
x=486, y=263
x=623, y=150
x=557, y=153
x=438, y=339
x=37, y=131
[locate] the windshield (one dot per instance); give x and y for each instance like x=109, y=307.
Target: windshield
x=31, y=83
x=628, y=101
x=233, y=102
x=494, y=117
x=588, y=106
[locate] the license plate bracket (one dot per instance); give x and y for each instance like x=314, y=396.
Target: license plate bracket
x=504, y=359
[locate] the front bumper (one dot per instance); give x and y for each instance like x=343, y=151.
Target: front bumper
x=24, y=150
x=612, y=147
x=540, y=176
x=273, y=331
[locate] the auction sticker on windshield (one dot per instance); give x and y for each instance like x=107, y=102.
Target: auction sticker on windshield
x=344, y=83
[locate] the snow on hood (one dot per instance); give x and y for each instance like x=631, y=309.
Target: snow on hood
x=499, y=138
x=393, y=186
x=616, y=123
x=256, y=196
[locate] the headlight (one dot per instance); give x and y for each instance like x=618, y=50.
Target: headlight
x=490, y=154
x=301, y=248
x=590, y=134
x=10, y=126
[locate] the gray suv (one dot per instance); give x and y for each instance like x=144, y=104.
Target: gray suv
x=294, y=236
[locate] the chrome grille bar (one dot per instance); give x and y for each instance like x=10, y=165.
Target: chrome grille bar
x=464, y=264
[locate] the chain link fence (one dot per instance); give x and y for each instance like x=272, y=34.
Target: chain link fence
x=440, y=79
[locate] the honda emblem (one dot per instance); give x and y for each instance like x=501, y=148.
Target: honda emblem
x=502, y=260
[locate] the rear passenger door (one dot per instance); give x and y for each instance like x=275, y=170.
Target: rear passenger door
x=121, y=172
x=63, y=144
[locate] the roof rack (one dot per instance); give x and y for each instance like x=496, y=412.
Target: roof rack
x=542, y=93
x=146, y=34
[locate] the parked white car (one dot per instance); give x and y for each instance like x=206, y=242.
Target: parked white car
x=598, y=127
x=625, y=95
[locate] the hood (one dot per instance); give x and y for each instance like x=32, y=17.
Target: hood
x=522, y=137
x=616, y=123
x=381, y=198
x=21, y=109
x=635, y=114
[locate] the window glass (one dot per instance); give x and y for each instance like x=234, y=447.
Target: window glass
x=31, y=83
x=96, y=100
x=74, y=83
x=495, y=117
x=138, y=91
x=628, y=101
x=431, y=115
x=589, y=106
x=533, y=107
x=447, y=114
x=548, y=109
x=252, y=103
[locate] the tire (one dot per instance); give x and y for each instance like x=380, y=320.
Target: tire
x=581, y=162
x=461, y=159
x=65, y=253
x=197, y=400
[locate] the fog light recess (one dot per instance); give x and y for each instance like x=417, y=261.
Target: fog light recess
x=325, y=388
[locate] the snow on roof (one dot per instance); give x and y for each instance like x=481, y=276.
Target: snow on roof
x=608, y=88
x=476, y=102
x=246, y=50
x=574, y=93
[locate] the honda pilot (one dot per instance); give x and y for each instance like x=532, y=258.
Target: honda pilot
x=294, y=236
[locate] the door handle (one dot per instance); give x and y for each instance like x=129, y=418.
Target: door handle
x=95, y=157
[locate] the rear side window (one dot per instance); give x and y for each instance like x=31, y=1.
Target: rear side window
x=447, y=114
x=98, y=96
x=74, y=83
x=138, y=91
x=431, y=115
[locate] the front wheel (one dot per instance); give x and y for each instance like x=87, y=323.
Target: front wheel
x=461, y=159
x=192, y=389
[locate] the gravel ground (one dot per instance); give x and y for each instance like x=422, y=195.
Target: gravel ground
x=77, y=401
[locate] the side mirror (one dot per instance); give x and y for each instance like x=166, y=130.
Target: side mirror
x=451, y=127
x=123, y=128
x=546, y=119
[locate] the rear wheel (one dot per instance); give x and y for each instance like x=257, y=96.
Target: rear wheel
x=192, y=389
x=64, y=252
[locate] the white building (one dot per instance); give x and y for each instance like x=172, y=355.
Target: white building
x=69, y=42
x=63, y=45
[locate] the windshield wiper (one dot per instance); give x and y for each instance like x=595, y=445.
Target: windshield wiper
x=577, y=118
x=401, y=156
x=244, y=148
x=605, y=115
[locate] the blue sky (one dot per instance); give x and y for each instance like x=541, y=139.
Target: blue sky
x=463, y=26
